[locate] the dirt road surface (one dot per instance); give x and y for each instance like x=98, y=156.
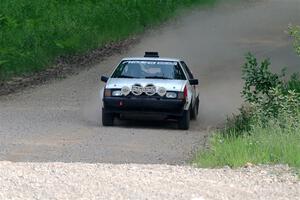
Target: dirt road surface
x=60, y=121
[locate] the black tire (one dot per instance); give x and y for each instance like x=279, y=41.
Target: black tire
x=195, y=110
x=184, y=121
x=107, y=119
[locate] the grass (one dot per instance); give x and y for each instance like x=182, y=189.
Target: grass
x=34, y=33
x=263, y=145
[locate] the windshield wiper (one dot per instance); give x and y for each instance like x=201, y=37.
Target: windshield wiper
x=124, y=76
x=157, y=77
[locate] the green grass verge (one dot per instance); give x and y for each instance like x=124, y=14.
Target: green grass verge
x=34, y=33
x=262, y=145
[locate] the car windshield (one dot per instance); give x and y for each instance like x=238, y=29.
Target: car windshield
x=149, y=69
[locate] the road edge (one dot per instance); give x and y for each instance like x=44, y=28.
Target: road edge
x=66, y=66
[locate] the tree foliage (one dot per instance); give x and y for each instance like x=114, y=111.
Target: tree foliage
x=294, y=31
x=268, y=92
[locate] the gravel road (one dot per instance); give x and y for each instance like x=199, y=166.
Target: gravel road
x=59, y=121
x=132, y=181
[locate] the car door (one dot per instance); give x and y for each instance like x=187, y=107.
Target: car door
x=190, y=77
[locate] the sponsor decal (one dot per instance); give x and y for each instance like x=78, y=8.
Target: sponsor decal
x=152, y=62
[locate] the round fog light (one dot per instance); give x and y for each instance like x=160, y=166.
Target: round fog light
x=125, y=90
x=161, y=91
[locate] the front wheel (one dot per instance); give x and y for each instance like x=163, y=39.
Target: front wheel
x=107, y=119
x=195, y=110
x=184, y=121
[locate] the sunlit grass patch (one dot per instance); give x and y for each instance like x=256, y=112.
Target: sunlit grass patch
x=262, y=145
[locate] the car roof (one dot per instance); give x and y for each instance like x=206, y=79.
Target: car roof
x=152, y=58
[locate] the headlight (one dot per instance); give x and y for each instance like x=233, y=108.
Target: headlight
x=171, y=95
x=117, y=93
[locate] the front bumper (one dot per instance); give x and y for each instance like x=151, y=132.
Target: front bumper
x=144, y=106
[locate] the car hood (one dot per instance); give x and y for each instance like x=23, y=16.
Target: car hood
x=169, y=85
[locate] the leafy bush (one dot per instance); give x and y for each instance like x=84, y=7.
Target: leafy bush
x=239, y=123
x=284, y=107
x=258, y=79
x=267, y=92
x=294, y=83
x=294, y=31
x=267, y=97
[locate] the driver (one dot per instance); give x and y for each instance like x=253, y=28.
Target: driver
x=134, y=70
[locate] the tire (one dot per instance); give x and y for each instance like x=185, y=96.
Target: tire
x=107, y=119
x=184, y=121
x=195, y=109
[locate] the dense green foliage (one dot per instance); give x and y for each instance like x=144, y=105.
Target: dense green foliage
x=267, y=130
x=268, y=93
x=34, y=33
x=295, y=33
x=267, y=96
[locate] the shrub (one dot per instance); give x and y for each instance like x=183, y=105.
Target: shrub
x=259, y=80
x=281, y=105
x=294, y=83
x=267, y=92
x=239, y=124
x=294, y=31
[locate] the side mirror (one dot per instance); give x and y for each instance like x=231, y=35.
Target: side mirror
x=104, y=79
x=194, y=81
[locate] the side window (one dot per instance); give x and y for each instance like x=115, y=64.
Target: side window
x=187, y=70
x=120, y=69
x=178, y=73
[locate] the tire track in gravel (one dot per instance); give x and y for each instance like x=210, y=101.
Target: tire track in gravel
x=59, y=121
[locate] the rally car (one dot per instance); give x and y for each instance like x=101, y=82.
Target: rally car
x=151, y=86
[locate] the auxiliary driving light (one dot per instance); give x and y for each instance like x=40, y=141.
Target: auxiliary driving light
x=161, y=91
x=125, y=90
